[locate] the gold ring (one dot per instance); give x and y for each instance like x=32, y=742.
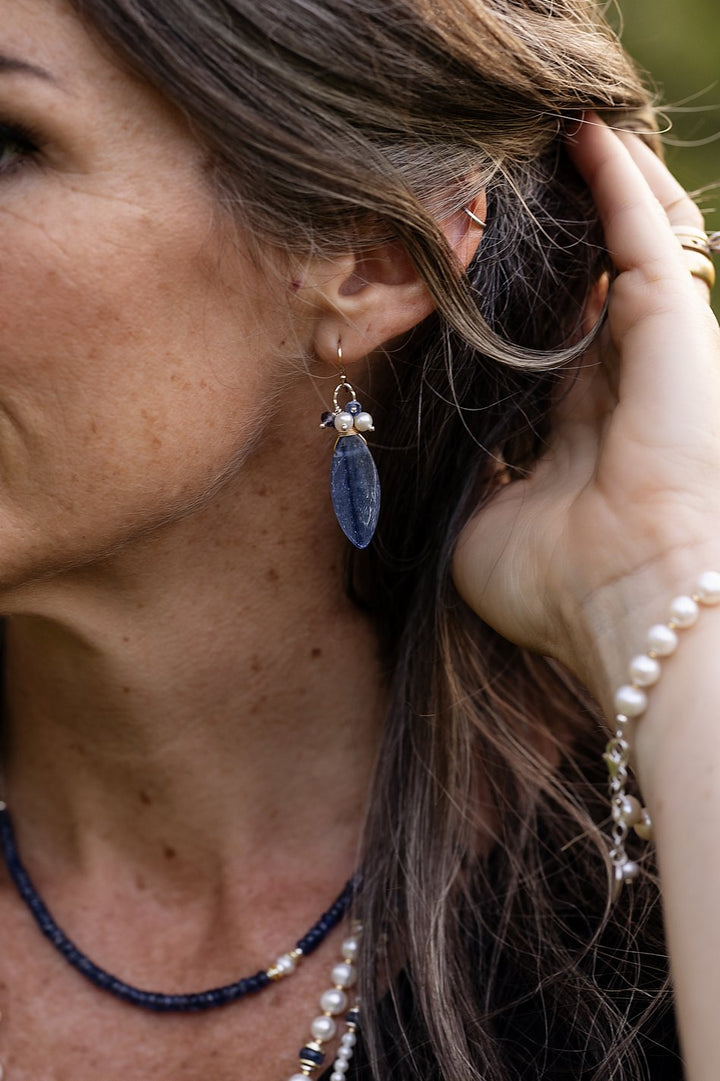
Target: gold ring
x=692, y=239
x=690, y=230
x=700, y=266
x=691, y=243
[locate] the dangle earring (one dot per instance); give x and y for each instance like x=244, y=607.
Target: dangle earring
x=354, y=482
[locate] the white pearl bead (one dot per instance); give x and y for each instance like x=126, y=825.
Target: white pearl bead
x=349, y=1039
x=335, y=1076
x=684, y=611
x=630, y=701
x=630, y=810
x=644, y=670
x=662, y=640
x=340, y=1067
x=299, y=1077
x=344, y=1054
x=286, y=964
x=644, y=828
x=630, y=870
x=363, y=422
x=333, y=1001
x=343, y=975
x=708, y=587
x=350, y=949
x=323, y=1028
x=344, y=422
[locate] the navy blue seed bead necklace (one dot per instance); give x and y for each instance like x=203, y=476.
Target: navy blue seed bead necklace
x=154, y=1000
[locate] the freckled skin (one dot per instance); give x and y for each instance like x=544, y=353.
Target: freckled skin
x=151, y=382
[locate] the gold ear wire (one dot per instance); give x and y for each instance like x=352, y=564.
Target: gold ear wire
x=341, y=366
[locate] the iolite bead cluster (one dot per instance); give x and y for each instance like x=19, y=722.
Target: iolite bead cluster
x=348, y=421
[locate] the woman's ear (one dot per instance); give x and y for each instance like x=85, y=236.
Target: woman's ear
x=367, y=299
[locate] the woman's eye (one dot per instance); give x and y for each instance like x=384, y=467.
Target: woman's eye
x=17, y=143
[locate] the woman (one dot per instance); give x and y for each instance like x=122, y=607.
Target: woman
x=214, y=216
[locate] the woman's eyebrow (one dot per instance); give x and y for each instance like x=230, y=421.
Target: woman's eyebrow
x=13, y=64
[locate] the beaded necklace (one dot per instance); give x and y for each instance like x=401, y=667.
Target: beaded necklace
x=333, y=1002
x=157, y=1001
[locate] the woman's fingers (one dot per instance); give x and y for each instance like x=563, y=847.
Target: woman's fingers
x=663, y=331
x=675, y=201
x=637, y=231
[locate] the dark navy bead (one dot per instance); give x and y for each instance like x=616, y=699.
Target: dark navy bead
x=353, y=408
x=352, y=1017
x=309, y=943
x=309, y=1054
x=327, y=420
x=355, y=489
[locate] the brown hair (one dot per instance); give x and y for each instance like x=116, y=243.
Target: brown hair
x=329, y=125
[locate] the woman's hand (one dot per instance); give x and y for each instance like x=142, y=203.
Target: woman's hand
x=623, y=510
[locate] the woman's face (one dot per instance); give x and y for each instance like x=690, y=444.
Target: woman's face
x=137, y=349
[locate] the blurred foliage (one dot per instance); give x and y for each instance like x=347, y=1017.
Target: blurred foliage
x=677, y=43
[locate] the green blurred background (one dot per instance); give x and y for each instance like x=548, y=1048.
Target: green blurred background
x=677, y=42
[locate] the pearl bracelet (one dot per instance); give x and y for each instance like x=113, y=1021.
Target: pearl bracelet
x=630, y=701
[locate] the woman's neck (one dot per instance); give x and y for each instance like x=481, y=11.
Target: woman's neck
x=193, y=704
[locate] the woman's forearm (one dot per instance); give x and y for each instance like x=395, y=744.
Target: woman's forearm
x=677, y=744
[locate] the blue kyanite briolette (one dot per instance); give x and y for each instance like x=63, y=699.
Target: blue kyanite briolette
x=355, y=489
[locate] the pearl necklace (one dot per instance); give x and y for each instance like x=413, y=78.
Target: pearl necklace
x=323, y=1028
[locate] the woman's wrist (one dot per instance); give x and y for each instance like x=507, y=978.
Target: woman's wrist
x=613, y=621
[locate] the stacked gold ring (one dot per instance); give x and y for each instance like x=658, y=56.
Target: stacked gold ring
x=699, y=248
